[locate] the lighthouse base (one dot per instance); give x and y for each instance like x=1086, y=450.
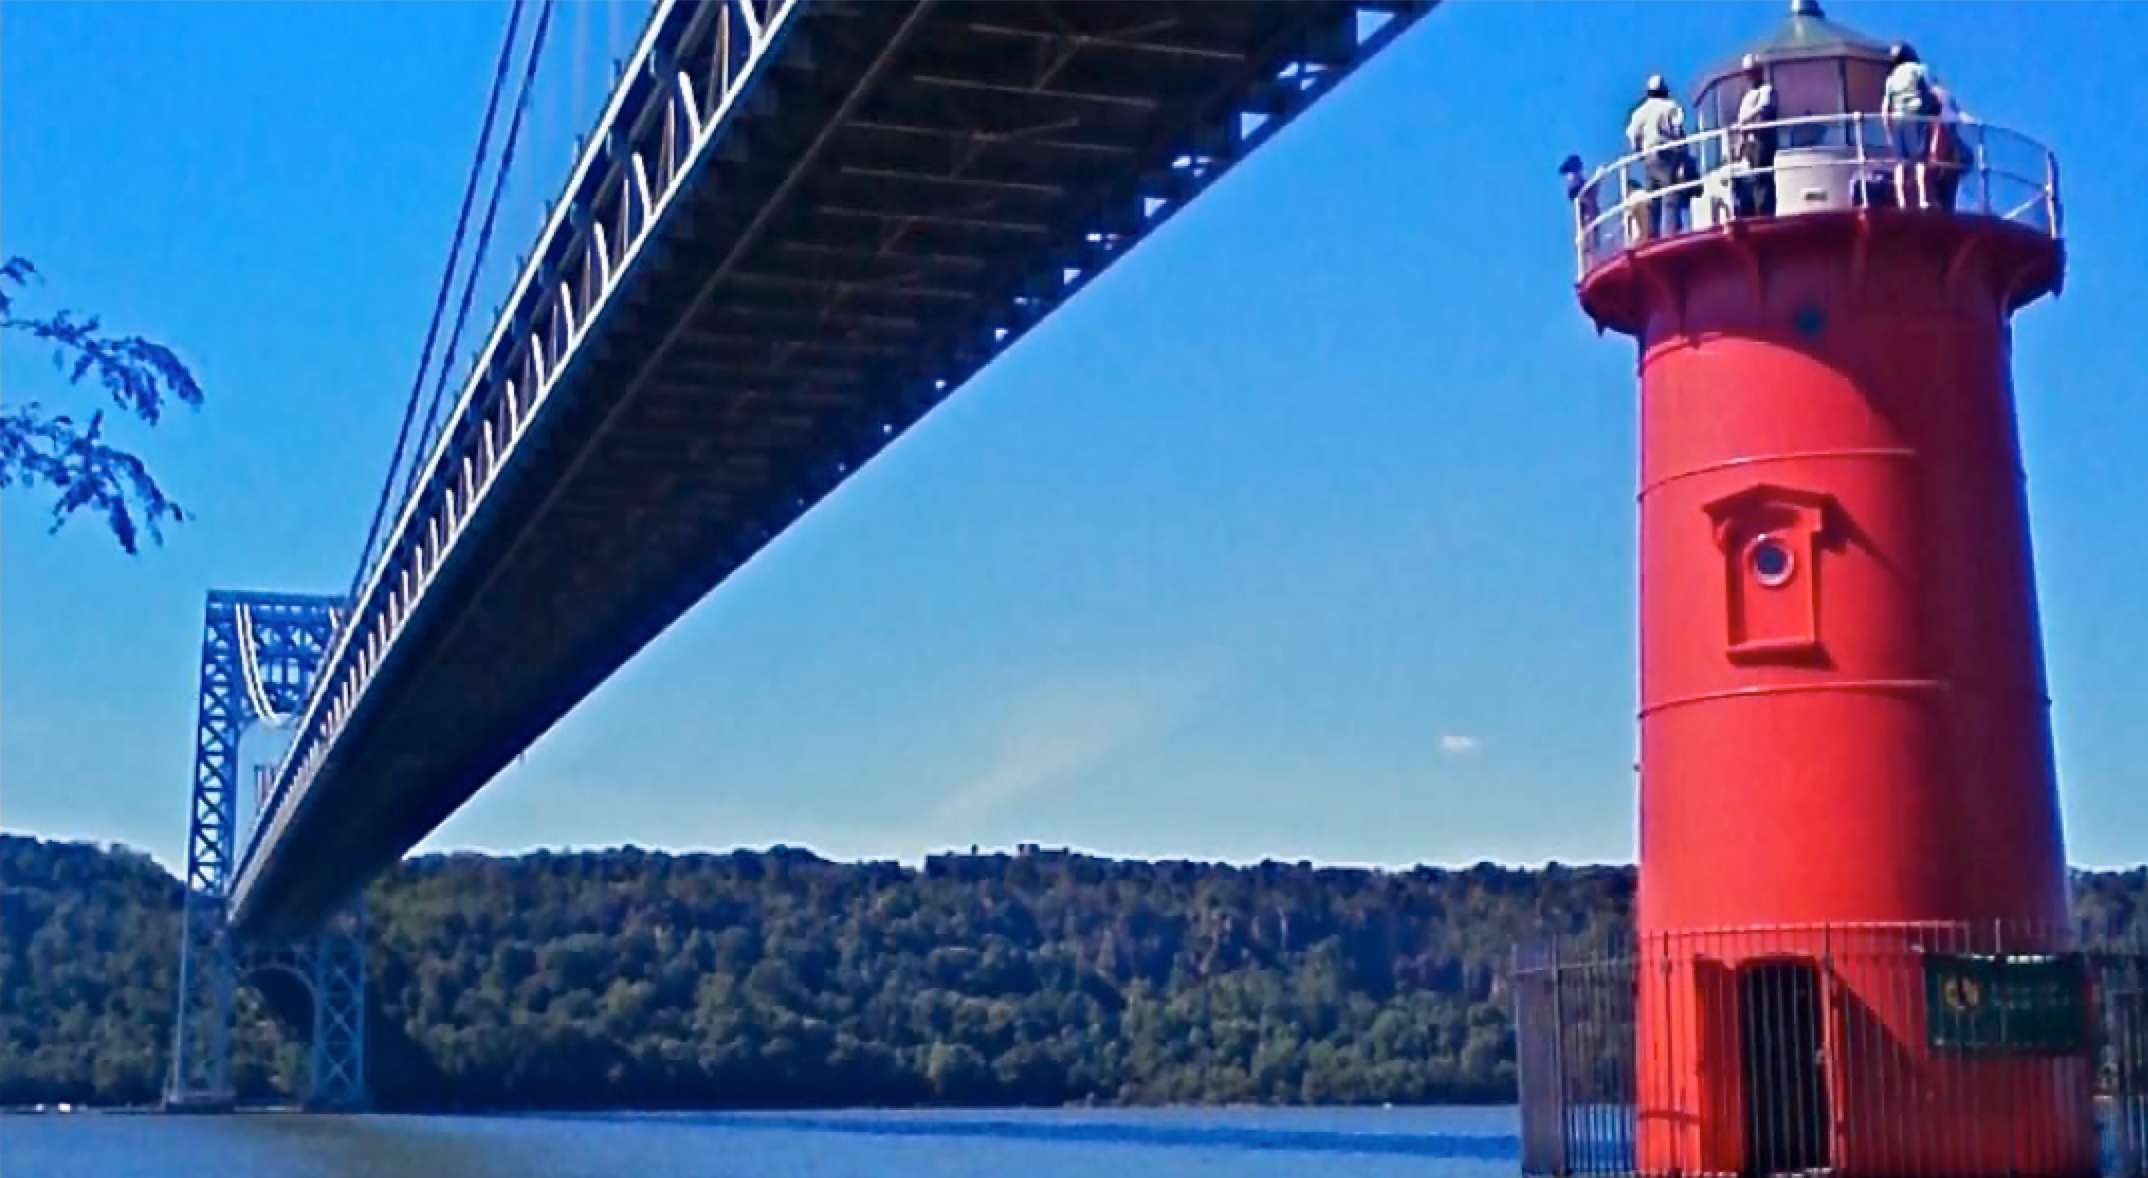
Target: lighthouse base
x=1868, y=1051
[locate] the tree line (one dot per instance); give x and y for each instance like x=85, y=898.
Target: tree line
x=779, y=979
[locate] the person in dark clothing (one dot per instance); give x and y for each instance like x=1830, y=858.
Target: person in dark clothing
x=1578, y=190
x=1753, y=140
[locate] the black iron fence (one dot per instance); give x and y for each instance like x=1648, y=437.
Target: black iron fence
x=1874, y=1050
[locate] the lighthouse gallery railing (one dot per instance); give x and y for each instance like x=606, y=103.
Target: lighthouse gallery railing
x=1586, y=1042
x=1822, y=162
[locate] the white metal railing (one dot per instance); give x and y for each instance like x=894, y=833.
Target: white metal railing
x=700, y=59
x=1826, y=162
x=676, y=97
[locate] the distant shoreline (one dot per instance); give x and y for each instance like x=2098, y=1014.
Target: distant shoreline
x=976, y=1111
x=602, y=982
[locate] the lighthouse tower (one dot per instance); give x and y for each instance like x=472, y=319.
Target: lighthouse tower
x=1854, y=946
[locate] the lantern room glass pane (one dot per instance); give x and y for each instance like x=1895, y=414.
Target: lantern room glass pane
x=1810, y=87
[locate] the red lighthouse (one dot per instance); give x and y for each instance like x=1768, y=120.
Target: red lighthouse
x=1854, y=950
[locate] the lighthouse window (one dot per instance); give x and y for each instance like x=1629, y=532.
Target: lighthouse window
x=1771, y=560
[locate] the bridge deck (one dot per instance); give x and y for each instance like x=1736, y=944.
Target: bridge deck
x=756, y=293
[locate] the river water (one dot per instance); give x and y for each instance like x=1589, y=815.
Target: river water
x=1240, y=1143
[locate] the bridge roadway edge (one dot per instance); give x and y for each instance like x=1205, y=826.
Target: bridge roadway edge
x=698, y=519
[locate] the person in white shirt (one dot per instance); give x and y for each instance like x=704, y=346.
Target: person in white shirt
x=1655, y=128
x=1925, y=123
x=1910, y=88
x=1753, y=141
x=1910, y=105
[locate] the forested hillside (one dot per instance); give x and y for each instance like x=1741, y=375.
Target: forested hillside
x=634, y=979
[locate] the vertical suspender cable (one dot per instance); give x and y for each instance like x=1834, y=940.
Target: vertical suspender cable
x=611, y=38
x=484, y=238
x=447, y=280
x=575, y=113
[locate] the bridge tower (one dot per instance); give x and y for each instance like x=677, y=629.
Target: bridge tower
x=1854, y=943
x=259, y=654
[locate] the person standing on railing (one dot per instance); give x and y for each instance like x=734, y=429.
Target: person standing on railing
x=1655, y=131
x=1753, y=141
x=1910, y=111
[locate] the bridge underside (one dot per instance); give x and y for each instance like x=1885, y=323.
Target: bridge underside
x=908, y=189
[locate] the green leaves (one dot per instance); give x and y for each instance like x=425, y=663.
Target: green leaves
x=630, y=979
x=85, y=472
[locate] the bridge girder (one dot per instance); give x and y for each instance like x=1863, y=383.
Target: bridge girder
x=797, y=228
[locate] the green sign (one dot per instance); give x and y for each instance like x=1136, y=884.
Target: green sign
x=2031, y=1005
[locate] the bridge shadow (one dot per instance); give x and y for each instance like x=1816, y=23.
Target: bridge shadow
x=1462, y=1146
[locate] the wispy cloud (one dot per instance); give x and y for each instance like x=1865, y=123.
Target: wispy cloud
x=1072, y=725
x=1073, y=722
x=1456, y=744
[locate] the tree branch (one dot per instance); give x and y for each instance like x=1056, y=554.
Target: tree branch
x=54, y=451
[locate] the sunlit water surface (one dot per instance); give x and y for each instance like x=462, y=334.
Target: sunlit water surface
x=1240, y=1143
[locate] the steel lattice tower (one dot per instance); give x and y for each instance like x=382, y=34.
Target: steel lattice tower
x=259, y=654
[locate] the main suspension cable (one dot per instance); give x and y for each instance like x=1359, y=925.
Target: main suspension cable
x=447, y=281
x=484, y=241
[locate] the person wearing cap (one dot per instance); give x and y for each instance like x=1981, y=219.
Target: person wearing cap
x=1655, y=131
x=1753, y=142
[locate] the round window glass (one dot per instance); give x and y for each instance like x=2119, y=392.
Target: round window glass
x=1772, y=562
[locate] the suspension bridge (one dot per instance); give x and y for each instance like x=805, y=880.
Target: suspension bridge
x=794, y=228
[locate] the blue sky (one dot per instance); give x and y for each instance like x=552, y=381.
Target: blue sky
x=1307, y=532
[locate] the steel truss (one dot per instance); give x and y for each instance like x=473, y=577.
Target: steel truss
x=259, y=654
x=937, y=199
